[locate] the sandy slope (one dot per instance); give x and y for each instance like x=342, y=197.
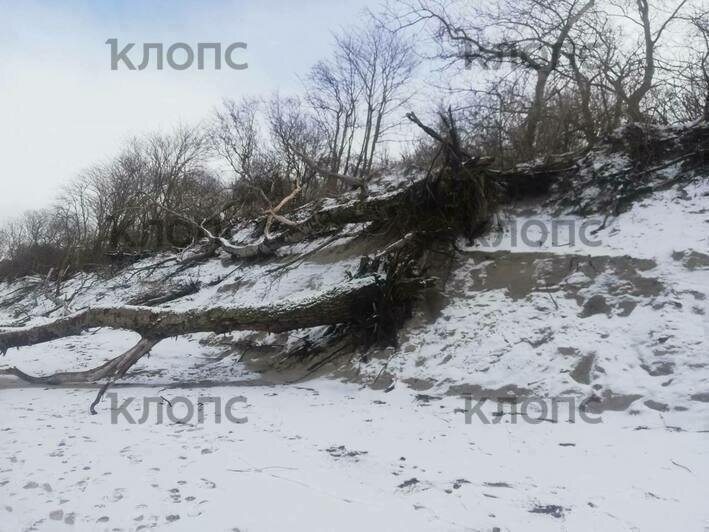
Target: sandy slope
x=624, y=323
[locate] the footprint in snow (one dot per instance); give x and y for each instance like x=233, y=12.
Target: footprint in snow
x=408, y=483
x=342, y=452
x=548, y=509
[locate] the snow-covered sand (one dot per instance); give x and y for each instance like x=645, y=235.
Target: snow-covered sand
x=330, y=456
x=382, y=443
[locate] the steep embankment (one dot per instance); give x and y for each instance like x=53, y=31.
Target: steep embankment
x=611, y=314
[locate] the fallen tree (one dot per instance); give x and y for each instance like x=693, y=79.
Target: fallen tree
x=455, y=196
x=350, y=302
x=458, y=193
x=337, y=305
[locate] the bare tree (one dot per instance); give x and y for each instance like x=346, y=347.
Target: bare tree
x=334, y=94
x=294, y=131
x=630, y=72
x=236, y=137
x=701, y=25
x=171, y=161
x=527, y=34
x=357, y=93
x=683, y=95
x=384, y=63
x=4, y=244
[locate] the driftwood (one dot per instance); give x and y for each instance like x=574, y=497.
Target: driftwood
x=106, y=370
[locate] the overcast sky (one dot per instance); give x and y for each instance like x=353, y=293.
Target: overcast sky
x=62, y=108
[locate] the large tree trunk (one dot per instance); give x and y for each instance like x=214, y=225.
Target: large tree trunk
x=535, y=113
x=338, y=305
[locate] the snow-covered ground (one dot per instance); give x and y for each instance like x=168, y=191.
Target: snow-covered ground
x=382, y=442
x=333, y=456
